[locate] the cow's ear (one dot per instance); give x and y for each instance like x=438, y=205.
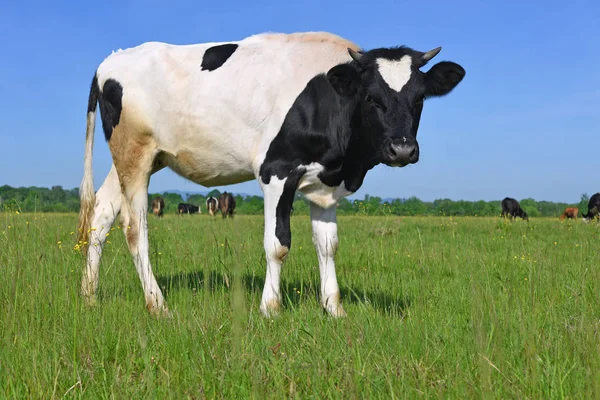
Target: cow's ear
x=442, y=78
x=345, y=79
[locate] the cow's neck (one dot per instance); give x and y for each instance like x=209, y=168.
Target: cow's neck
x=359, y=158
x=353, y=158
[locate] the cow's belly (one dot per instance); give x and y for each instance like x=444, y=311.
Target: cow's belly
x=210, y=146
x=209, y=168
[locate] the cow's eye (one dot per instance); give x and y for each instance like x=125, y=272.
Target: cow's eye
x=370, y=100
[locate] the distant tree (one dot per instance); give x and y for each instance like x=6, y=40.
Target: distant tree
x=215, y=193
x=252, y=205
x=344, y=206
x=301, y=205
x=531, y=207
x=583, y=203
x=197, y=200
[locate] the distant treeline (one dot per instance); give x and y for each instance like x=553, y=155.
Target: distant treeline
x=57, y=199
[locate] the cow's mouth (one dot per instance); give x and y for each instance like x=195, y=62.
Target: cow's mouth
x=401, y=152
x=397, y=165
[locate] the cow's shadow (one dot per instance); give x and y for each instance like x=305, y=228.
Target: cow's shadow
x=293, y=292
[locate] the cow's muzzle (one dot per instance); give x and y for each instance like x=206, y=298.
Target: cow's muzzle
x=403, y=151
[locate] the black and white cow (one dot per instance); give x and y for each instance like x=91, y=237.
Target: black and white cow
x=212, y=205
x=184, y=208
x=512, y=209
x=593, y=208
x=304, y=111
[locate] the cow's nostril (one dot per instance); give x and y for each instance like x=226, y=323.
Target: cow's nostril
x=413, y=152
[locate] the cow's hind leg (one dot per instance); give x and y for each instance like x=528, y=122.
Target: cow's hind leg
x=134, y=158
x=106, y=209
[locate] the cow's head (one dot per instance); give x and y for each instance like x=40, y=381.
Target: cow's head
x=390, y=89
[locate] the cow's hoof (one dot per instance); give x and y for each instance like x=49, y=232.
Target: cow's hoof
x=90, y=300
x=336, y=312
x=334, y=307
x=157, y=309
x=271, y=308
x=159, y=312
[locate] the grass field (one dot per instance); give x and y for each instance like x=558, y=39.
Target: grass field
x=449, y=307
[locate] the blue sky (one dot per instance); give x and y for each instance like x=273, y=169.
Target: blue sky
x=523, y=123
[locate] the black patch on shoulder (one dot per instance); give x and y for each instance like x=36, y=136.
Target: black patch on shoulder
x=318, y=128
x=216, y=56
x=111, y=106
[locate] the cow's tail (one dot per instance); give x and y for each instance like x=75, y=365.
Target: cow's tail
x=87, y=194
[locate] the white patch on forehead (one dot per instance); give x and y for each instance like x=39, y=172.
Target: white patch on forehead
x=395, y=72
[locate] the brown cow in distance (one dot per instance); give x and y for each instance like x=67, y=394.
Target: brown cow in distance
x=570, y=212
x=227, y=204
x=158, y=206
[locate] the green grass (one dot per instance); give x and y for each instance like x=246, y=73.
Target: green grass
x=448, y=307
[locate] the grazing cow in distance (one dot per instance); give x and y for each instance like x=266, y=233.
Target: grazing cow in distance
x=158, y=206
x=307, y=111
x=212, y=206
x=593, y=208
x=184, y=208
x=512, y=209
x=570, y=213
x=227, y=205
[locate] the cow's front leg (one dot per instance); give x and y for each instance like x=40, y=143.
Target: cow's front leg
x=279, y=196
x=325, y=239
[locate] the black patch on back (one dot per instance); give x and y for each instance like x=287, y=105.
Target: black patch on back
x=216, y=56
x=111, y=106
